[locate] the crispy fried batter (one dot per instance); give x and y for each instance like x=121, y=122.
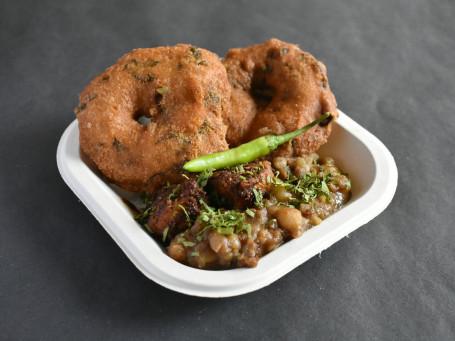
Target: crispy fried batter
x=183, y=90
x=277, y=88
x=238, y=187
x=173, y=206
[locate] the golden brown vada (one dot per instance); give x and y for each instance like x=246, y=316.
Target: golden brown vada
x=183, y=90
x=277, y=88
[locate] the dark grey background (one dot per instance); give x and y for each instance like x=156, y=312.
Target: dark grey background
x=391, y=66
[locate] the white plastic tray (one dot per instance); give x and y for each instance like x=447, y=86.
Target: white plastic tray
x=356, y=151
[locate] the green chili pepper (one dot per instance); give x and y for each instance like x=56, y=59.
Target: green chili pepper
x=247, y=152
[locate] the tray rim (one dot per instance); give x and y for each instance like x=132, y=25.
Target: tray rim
x=144, y=252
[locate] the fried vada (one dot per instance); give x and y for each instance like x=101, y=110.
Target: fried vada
x=277, y=88
x=155, y=109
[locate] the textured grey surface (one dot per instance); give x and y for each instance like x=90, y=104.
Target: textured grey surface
x=391, y=66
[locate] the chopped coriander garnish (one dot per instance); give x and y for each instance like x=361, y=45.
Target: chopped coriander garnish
x=238, y=169
x=324, y=187
x=188, y=219
x=145, y=198
x=224, y=221
x=195, y=254
x=147, y=227
x=258, y=198
x=225, y=230
x=348, y=185
x=175, y=192
x=185, y=242
x=287, y=204
x=250, y=213
x=165, y=233
x=270, y=222
x=307, y=188
x=204, y=177
x=144, y=216
x=241, y=177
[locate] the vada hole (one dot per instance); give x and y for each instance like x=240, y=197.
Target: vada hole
x=143, y=118
x=326, y=121
x=262, y=92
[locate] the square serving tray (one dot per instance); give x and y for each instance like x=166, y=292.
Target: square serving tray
x=373, y=174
